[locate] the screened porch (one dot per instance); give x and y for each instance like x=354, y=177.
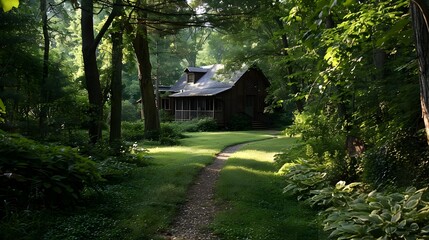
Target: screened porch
x=198, y=107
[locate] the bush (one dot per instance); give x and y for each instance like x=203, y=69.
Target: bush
x=133, y=131
x=395, y=160
x=170, y=134
x=35, y=175
x=165, y=116
x=206, y=125
x=129, y=112
x=117, y=162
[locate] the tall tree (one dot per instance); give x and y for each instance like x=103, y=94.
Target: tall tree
x=141, y=49
x=116, y=82
x=44, y=92
x=420, y=22
x=92, y=75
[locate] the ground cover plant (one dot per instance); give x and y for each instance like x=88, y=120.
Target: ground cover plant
x=35, y=176
x=140, y=206
x=355, y=210
x=256, y=207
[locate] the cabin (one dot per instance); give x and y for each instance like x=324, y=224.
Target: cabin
x=213, y=92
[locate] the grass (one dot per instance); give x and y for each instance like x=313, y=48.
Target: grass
x=256, y=208
x=143, y=205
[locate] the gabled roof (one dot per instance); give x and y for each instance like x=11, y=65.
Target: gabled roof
x=214, y=81
x=196, y=69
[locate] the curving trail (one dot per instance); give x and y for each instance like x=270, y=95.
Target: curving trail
x=199, y=210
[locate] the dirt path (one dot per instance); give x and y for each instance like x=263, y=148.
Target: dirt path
x=197, y=213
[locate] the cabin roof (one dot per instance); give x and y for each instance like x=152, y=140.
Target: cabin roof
x=214, y=81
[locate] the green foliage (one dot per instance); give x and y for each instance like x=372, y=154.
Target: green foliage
x=35, y=175
x=320, y=131
x=7, y=5
x=116, y=162
x=378, y=215
x=133, y=131
x=206, y=125
x=239, y=122
x=304, y=176
x=130, y=112
x=2, y=111
x=170, y=134
x=339, y=196
x=86, y=226
x=257, y=209
x=392, y=163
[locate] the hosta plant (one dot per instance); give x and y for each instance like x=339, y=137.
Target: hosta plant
x=338, y=196
x=303, y=177
x=378, y=215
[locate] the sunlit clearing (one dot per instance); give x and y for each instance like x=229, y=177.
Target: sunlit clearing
x=245, y=169
x=256, y=155
x=181, y=149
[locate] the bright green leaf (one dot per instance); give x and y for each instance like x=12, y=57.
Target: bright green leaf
x=7, y=5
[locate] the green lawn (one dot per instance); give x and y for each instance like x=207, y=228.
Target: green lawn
x=251, y=191
x=164, y=182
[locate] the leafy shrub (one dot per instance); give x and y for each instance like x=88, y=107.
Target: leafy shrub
x=206, y=125
x=165, y=116
x=114, y=165
x=170, y=134
x=129, y=112
x=304, y=176
x=381, y=216
x=338, y=196
x=319, y=131
x=38, y=175
x=133, y=131
x=392, y=163
x=240, y=122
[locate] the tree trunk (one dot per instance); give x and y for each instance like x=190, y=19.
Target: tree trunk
x=150, y=111
x=44, y=92
x=116, y=88
x=420, y=17
x=92, y=75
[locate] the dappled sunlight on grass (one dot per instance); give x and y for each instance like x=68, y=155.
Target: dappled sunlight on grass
x=258, y=209
x=249, y=170
x=251, y=165
x=181, y=150
x=257, y=155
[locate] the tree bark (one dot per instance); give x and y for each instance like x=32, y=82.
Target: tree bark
x=150, y=111
x=92, y=75
x=116, y=87
x=420, y=17
x=44, y=91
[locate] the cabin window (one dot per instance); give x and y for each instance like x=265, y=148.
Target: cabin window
x=191, y=78
x=165, y=103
